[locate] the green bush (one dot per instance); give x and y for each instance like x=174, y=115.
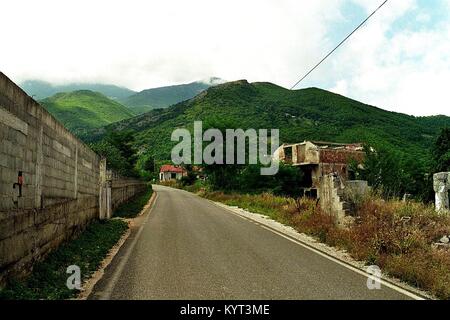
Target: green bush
x=134, y=206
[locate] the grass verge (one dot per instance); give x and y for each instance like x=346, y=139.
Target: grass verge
x=134, y=206
x=48, y=279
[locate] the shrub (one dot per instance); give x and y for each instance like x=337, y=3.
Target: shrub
x=134, y=206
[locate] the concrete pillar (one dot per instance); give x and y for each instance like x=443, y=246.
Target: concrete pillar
x=102, y=199
x=38, y=203
x=441, y=184
x=108, y=202
x=75, y=174
x=108, y=194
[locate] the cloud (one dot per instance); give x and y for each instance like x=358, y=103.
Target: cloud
x=148, y=43
x=400, y=70
x=143, y=44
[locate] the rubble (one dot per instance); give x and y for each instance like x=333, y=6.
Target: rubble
x=444, y=240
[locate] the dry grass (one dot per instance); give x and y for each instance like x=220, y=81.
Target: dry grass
x=394, y=235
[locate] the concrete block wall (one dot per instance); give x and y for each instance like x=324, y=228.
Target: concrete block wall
x=61, y=189
x=124, y=189
x=54, y=163
x=338, y=197
x=28, y=235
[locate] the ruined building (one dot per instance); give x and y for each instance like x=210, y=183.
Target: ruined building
x=327, y=174
x=318, y=159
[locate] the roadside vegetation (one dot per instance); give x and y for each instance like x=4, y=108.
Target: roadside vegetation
x=397, y=236
x=134, y=206
x=401, y=237
x=307, y=114
x=48, y=279
x=120, y=154
x=88, y=250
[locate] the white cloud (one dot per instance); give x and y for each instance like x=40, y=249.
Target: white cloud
x=407, y=72
x=142, y=44
x=341, y=87
x=148, y=43
x=423, y=17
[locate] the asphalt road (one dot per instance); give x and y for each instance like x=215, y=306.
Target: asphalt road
x=189, y=248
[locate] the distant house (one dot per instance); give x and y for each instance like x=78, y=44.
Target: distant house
x=317, y=159
x=170, y=172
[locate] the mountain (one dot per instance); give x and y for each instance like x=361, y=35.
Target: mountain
x=306, y=114
x=84, y=109
x=163, y=97
x=41, y=89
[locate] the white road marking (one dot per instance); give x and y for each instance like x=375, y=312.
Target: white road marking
x=323, y=254
x=106, y=294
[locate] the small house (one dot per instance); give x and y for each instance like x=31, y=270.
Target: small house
x=170, y=172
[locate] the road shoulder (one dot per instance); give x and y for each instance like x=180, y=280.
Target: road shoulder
x=338, y=256
x=134, y=225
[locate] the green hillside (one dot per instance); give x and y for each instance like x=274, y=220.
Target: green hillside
x=84, y=109
x=163, y=97
x=41, y=89
x=300, y=115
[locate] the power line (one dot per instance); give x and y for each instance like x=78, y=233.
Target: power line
x=340, y=44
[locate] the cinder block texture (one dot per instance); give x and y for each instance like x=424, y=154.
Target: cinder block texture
x=61, y=182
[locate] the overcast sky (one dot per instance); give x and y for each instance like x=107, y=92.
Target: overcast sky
x=400, y=61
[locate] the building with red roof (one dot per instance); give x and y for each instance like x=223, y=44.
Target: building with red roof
x=169, y=172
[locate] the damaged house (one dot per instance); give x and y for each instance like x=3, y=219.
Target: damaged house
x=327, y=172
x=318, y=159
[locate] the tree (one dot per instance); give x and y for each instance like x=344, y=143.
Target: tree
x=149, y=164
x=395, y=173
x=441, y=151
x=117, y=148
x=114, y=158
x=222, y=176
x=383, y=171
x=288, y=181
x=123, y=140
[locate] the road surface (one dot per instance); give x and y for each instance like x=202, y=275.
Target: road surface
x=189, y=248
